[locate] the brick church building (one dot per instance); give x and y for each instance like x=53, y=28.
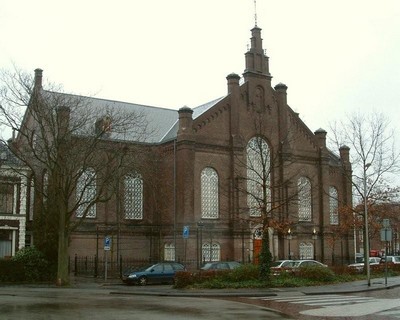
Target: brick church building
x=227, y=170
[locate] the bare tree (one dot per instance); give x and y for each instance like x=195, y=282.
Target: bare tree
x=265, y=180
x=77, y=148
x=374, y=160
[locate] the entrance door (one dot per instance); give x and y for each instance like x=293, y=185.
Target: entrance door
x=257, y=243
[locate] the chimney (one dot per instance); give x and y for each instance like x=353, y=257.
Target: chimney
x=38, y=78
x=281, y=89
x=321, y=137
x=185, y=122
x=345, y=154
x=233, y=82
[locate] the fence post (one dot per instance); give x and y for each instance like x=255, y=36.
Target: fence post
x=120, y=266
x=95, y=265
x=76, y=265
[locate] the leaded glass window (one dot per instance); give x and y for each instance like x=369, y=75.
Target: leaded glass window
x=209, y=194
x=6, y=198
x=258, y=176
x=304, y=196
x=86, y=193
x=133, y=197
x=211, y=252
x=306, y=250
x=333, y=206
x=169, y=252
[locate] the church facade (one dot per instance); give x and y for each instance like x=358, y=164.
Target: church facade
x=227, y=171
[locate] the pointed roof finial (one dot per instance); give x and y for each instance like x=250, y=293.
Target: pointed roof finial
x=255, y=13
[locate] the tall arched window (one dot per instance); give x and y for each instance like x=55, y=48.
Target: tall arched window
x=258, y=177
x=333, y=205
x=133, y=196
x=304, y=195
x=86, y=193
x=209, y=194
x=306, y=250
x=211, y=252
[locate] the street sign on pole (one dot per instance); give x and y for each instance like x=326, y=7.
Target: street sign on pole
x=386, y=234
x=185, y=232
x=107, y=243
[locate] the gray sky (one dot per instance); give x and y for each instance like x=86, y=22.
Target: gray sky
x=336, y=57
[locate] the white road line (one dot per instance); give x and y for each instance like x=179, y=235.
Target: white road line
x=354, y=310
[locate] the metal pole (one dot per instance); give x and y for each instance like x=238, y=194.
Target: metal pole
x=386, y=261
x=289, y=236
x=366, y=240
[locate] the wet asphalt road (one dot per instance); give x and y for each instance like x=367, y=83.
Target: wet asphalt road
x=18, y=302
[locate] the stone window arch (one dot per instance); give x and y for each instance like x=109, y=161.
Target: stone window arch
x=211, y=252
x=133, y=196
x=86, y=193
x=258, y=176
x=333, y=206
x=306, y=250
x=304, y=199
x=169, y=252
x=209, y=193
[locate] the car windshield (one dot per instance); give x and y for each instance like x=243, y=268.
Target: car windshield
x=276, y=263
x=281, y=263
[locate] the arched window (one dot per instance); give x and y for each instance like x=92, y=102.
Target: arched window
x=304, y=195
x=86, y=193
x=169, y=252
x=133, y=196
x=209, y=194
x=333, y=205
x=258, y=177
x=306, y=250
x=211, y=252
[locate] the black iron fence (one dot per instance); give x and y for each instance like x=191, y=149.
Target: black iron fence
x=95, y=266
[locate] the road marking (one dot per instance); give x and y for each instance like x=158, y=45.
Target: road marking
x=355, y=310
x=339, y=305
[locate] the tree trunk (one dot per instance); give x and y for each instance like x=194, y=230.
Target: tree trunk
x=265, y=256
x=62, y=265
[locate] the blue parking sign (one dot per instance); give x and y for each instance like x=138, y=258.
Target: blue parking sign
x=185, y=232
x=107, y=243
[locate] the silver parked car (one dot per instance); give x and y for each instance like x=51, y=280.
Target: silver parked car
x=359, y=267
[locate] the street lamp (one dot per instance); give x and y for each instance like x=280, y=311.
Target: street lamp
x=366, y=232
x=314, y=237
x=289, y=237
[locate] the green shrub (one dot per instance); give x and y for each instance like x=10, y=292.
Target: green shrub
x=219, y=278
x=317, y=273
x=183, y=279
x=35, y=266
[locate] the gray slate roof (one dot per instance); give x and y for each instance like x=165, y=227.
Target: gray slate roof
x=7, y=157
x=162, y=122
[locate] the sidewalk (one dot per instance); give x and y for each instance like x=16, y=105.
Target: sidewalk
x=117, y=287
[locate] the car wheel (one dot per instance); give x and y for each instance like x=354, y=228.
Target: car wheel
x=142, y=281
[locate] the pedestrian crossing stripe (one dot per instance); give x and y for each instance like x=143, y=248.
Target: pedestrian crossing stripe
x=324, y=300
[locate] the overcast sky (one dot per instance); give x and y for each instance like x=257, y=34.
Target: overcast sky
x=336, y=57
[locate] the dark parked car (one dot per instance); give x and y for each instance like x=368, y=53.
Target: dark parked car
x=221, y=265
x=162, y=272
